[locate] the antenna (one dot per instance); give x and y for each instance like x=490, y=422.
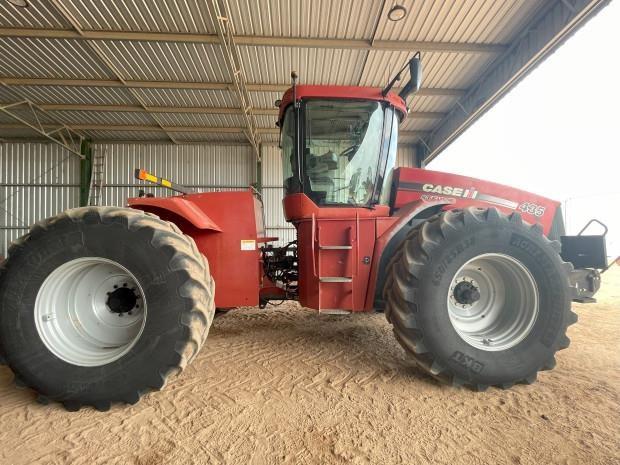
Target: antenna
x=294, y=83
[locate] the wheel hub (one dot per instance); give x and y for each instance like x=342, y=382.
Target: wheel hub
x=122, y=300
x=77, y=311
x=493, y=302
x=466, y=293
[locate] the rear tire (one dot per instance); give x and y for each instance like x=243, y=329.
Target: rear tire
x=509, y=273
x=70, y=338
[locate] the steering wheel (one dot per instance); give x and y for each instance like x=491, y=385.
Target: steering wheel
x=349, y=151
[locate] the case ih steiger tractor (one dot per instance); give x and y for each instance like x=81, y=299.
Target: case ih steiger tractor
x=103, y=304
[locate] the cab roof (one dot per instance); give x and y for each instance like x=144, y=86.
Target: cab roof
x=342, y=92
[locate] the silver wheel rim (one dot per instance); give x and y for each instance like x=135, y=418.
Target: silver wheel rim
x=493, y=302
x=83, y=315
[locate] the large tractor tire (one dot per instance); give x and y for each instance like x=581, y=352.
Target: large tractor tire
x=479, y=298
x=101, y=305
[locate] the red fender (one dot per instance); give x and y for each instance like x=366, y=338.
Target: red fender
x=404, y=215
x=177, y=205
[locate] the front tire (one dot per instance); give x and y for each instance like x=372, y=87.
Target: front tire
x=479, y=298
x=102, y=304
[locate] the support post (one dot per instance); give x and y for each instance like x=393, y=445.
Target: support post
x=421, y=151
x=86, y=169
x=258, y=178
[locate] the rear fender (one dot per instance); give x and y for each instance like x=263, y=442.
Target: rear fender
x=385, y=246
x=170, y=208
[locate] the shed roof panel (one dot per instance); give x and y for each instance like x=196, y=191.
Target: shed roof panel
x=50, y=58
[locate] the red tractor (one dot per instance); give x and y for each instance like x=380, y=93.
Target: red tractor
x=103, y=304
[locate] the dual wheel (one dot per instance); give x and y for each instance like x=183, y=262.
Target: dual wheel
x=100, y=305
x=479, y=298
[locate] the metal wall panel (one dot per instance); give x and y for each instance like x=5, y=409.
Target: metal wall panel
x=405, y=156
x=203, y=167
x=275, y=224
x=36, y=181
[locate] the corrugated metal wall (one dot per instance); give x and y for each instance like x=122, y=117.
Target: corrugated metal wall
x=201, y=167
x=36, y=181
x=39, y=180
x=273, y=192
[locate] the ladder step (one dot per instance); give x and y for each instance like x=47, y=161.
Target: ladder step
x=335, y=279
x=335, y=247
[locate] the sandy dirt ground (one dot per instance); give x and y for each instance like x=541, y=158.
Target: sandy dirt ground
x=288, y=386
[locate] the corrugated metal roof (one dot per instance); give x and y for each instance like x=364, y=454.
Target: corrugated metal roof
x=187, y=97
x=273, y=65
x=345, y=19
x=434, y=103
x=75, y=95
x=472, y=21
x=442, y=70
x=191, y=137
x=166, y=61
x=102, y=117
x=418, y=124
x=40, y=14
x=178, y=60
x=110, y=135
x=49, y=58
x=19, y=133
x=265, y=99
x=199, y=119
x=190, y=16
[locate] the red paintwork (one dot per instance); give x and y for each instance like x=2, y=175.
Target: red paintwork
x=334, y=226
x=386, y=230
x=183, y=206
x=369, y=231
x=218, y=222
x=342, y=92
x=405, y=177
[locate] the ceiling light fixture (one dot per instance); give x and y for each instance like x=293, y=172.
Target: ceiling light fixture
x=19, y=3
x=397, y=12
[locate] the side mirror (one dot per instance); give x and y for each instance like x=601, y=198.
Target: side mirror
x=415, y=80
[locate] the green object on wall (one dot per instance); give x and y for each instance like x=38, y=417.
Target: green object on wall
x=86, y=168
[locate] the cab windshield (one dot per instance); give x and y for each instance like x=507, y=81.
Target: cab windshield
x=342, y=144
x=341, y=150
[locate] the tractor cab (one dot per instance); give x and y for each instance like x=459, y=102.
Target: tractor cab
x=339, y=144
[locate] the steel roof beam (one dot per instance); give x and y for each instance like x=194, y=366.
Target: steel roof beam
x=30, y=115
x=22, y=81
x=189, y=110
x=554, y=24
x=262, y=41
x=203, y=129
x=230, y=51
x=154, y=109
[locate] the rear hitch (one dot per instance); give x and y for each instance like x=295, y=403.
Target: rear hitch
x=588, y=254
x=584, y=284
